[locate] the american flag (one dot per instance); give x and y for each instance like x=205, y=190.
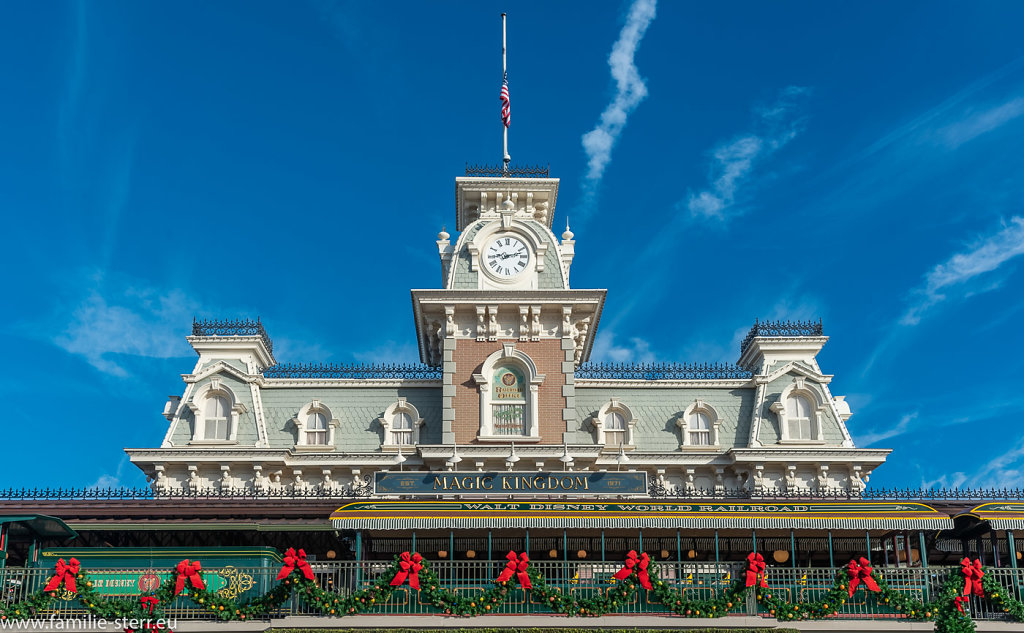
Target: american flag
x=506, y=108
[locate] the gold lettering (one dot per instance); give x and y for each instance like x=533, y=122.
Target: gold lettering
x=487, y=483
x=505, y=484
x=564, y=485
x=527, y=484
x=438, y=482
x=582, y=482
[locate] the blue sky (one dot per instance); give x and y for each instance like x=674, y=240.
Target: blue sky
x=719, y=162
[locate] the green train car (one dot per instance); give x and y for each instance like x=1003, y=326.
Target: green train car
x=234, y=572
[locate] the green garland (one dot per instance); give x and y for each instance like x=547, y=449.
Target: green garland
x=942, y=609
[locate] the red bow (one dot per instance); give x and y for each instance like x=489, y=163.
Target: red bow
x=959, y=601
x=190, y=572
x=755, y=570
x=861, y=573
x=640, y=564
x=65, y=572
x=149, y=602
x=410, y=568
x=293, y=560
x=517, y=565
x=972, y=577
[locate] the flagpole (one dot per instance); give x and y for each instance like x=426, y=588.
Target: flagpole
x=506, y=159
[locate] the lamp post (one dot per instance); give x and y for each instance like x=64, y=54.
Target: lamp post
x=621, y=458
x=512, y=458
x=453, y=461
x=566, y=458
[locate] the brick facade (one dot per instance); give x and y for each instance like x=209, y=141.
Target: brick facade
x=469, y=357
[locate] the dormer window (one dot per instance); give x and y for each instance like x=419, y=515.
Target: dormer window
x=401, y=429
x=217, y=417
x=698, y=426
x=215, y=411
x=798, y=418
x=315, y=426
x=699, y=429
x=401, y=423
x=614, y=423
x=799, y=410
x=614, y=428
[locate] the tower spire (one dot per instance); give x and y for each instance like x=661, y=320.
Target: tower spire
x=506, y=117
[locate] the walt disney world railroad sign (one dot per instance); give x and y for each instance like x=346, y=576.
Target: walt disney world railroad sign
x=514, y=483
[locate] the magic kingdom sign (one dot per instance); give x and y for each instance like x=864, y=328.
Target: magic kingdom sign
x=510, y=483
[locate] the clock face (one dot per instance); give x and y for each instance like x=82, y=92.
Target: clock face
x=506, y=256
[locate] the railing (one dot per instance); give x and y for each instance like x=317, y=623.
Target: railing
x=696, y=580
x=662, y=371
x=527, y=171
x=361, y=371
x=781, y=328
x=657, y=490
x=232, y=327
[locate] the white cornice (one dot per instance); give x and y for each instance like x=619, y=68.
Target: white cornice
x=222, y=367
x=348, y=383
x=800, y=369
x=585, y=383
x=812, y=454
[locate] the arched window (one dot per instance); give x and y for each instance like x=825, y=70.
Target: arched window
x=614, y=428
x=215, y=411
x=401, y=428
x=315, y=426
x=798, y=418
x=614, y=423
x=799, y=410
x=508, y=403
x=217, y=417
x=401, y=423
x=698, y=426
x=508, y=385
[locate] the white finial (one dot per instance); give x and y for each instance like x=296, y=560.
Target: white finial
x=508, y=204
x=568, y=235
x=443, y=235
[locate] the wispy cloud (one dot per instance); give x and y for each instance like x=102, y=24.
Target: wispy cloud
x=984, y=256
x=975, y=124
x=123, y=318
x=901, y=427
x=106, y=480
x=635, y=350
x=1005, y=470
x=630, y=90
x=733, y=161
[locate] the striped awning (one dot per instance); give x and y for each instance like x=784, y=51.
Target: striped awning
x=1001, y=515
x=585, y=514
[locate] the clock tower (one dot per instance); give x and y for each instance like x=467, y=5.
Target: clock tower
x=506, y=329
